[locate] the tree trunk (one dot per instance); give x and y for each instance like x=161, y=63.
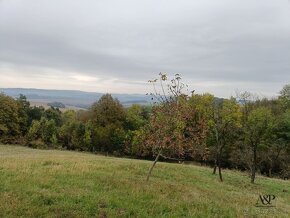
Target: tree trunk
x=214, y=168
x=217, y=152
x=270, y=172
x=151, y=168
x=253, y=174
x=219, y=164
x=220, y=174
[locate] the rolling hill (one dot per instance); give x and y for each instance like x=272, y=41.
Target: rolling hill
x=71, y=98
x=51, y=183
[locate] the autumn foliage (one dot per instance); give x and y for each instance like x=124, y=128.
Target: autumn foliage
x=242, y=132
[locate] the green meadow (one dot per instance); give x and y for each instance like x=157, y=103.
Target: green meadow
x=53, y=183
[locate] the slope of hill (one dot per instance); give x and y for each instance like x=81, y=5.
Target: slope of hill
x=73, y=98
x=49, y=183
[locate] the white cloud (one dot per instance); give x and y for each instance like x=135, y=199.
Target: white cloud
x=84, y=78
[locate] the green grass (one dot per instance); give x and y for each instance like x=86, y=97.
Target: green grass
x=49, y=183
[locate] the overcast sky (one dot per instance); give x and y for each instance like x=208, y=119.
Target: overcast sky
x=116, y=46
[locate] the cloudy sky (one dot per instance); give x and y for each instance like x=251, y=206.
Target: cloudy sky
x=118, y=45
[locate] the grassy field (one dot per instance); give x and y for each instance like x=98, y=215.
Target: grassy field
x=48, y=183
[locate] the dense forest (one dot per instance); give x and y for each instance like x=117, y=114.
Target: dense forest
x=245, y=132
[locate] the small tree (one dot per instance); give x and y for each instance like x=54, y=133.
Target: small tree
x=174, y=129
x=222, y=118
x=224, y=124
x=257, y=131
x=42, y=133
x=280, y=143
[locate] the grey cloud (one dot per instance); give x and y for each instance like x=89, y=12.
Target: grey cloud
x=224, y=41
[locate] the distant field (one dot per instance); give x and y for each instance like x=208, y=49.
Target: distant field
x=44, y=104
x=49, y=183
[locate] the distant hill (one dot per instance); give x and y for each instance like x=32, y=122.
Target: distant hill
x=72, y=98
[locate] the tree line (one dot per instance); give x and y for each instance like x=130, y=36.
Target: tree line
x=243, y=132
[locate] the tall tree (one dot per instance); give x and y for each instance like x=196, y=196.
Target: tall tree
x=69, y=121
x=108, y=118
x=9, y=118
x=285, y=96
x=24, y=108
x=53, y=114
